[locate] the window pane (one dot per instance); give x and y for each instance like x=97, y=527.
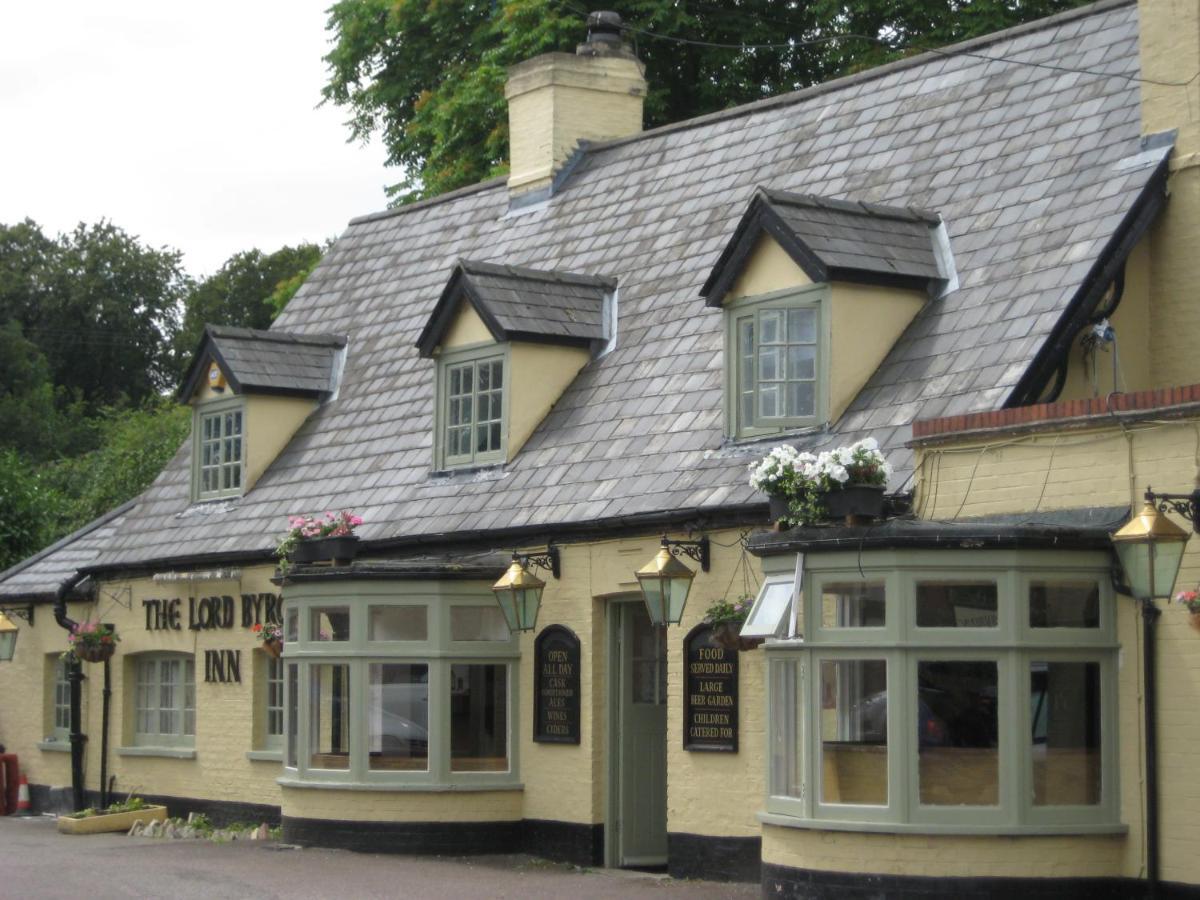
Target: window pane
x=329, y=716
x=785, y=717
x=800, y=399
x=331, y=623
x=477, y=623
x=398, y=717
x=1064, y=604
x=802, y=326
x=957, y=733
x=293, y=625
x=274, y=697
x=189, y=698
x=293, y=714
x=397, y=623
x=770, y=326
x=769, y=613
x=648, y=675
x=802, y=361
x=1065, y=715
x=853, y=604
x=853, y=723
x=957, y=604
x=478, y=718
x=769, y=400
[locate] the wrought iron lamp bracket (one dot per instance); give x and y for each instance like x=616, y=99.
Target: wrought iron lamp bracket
x=1186, y=505
x=550, y=561
x=22, y=611
x=696, y=550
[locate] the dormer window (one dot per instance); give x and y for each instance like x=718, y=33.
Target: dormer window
x=815, y=292
x=776, y=344
x=250, y=391
x=507, y=342
x=219, y=451
x=473, y=409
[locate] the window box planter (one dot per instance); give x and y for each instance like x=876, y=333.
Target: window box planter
x=855, y=501
x=338, y=551
x=777, y=508
x=105, y=822
x=94, y=654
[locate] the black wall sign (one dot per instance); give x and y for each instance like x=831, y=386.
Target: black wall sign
x=710, y=699
x=556, y=686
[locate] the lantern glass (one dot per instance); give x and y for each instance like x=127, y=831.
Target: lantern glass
x=665, y=583
x=519, y=594
x=8, y=638
x=1139, y=558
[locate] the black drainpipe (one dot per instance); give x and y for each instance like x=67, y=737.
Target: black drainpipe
x=105, y=799
x=1150, y=615
x=75, y=679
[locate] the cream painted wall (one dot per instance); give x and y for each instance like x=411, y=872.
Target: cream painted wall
x=270, y=423
x=1103, y=466
x=402, y=806
x=540, y=374
x=867, y=322
x=768, y=268
x=466, y=330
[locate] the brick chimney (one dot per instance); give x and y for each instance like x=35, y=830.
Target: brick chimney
x=559, y=99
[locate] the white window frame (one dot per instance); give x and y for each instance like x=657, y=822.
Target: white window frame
x=815, y=297
x=1013, y=645
x=439, y=652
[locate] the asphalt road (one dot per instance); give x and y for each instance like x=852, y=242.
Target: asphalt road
x=37, y=862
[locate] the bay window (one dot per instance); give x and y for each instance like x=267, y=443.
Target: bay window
x=963, y=690
x=402, y=684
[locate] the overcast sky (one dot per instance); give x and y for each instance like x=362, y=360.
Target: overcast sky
x=191, y=125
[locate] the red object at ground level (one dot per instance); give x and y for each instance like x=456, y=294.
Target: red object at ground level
x=24, y=805
x=9, y=783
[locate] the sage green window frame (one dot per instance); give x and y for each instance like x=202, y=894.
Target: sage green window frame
x=273, y=678
x=200, y=413
x=438, y=652
x=58, y=710
x=183, y=700
x=476, y=355
x=816, y=297
x=1013, y=645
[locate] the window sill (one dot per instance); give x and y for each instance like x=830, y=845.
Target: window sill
x=292, y=781
x=55, y=746
x=783, y=821
x=164, y=752
x=275, y=756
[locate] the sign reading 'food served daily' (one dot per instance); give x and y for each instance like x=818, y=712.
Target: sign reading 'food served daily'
x=710, y=702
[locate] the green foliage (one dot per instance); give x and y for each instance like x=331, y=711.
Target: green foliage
x=134, y=445
x=428, y=76
x=100, y=306
x=133, y=804
x=243, y=293
x=23, y=523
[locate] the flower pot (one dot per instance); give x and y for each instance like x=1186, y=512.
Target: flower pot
x=273, y=648
x=339, y=551
x=855, y=501
x=1194, y=619
x=726, y=634
x=777, y=507
x=94, y=652
x=104, y=822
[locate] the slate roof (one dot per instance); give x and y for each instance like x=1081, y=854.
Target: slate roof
x=834, y=240
x=39, y=576
x=1033, y=167
x=273, y=362
x=520, y=303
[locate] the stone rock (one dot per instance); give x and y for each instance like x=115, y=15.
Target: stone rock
x=154, y=829
x=254, y=835
x=136, y=829
x=263, y=832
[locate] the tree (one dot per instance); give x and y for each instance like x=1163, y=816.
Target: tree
x=101, y=307
x=23, y=518
x=241, y=292
x=428, y=77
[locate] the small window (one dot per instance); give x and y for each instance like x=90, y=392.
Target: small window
x=164, y=701
x=1064, y=604
x=397, y=623
x=477, y=623
x=471, y=412
x=219, y=452
x=775, y=610
x=273, y=727
x=957, y=604
x=59, y=713
x=775, y=364
x=853, y=604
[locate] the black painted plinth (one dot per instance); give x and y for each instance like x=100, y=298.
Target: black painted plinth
x=424, y=838
x=809, y=884
x=710, y=858
x=569, y=842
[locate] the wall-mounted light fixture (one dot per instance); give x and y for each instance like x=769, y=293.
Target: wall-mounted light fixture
x=519, y=591
x=665, y=581
x=9, y=630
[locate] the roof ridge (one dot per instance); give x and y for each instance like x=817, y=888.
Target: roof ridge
x=280, y=337
x=854, y=207
x=787, y=99
x=550, y=275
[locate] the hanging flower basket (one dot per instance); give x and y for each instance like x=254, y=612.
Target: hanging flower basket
x=274, y=649
x=855, y=501
x=271, y=636
x=1194, y=620
x=94, y=653
x=1190, y=600
x=727, y=635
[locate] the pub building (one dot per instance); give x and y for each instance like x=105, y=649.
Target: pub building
x=542, y=395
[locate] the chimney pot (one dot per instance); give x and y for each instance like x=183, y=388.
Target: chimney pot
x=604, y=26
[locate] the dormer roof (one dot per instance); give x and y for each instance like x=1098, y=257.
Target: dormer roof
x=834, y=240
x=266, y=362
x=522, y=304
